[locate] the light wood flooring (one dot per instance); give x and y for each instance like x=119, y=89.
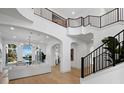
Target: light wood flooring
x=55, y=77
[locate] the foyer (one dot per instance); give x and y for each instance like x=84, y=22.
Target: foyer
x=61, y=45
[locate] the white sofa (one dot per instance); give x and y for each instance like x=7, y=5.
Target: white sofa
x=24, y=71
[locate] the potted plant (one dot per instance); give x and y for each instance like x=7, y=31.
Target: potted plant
x=111, y=44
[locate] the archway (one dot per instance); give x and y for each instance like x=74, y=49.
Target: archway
x=74, y=54
x=56, y=53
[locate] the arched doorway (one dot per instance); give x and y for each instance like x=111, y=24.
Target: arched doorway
x=56, y=56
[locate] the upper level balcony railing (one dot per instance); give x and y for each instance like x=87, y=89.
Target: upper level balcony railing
x=50, y=15
x=106, y=19
x=77, y=22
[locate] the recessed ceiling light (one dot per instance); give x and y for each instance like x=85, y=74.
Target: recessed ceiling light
x=47, y=36
x=14, y=36
x=12, y=28
x=73, y=13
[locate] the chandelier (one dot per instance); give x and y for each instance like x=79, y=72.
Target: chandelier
x=29, y=39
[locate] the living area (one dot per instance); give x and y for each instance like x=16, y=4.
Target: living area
x=23, y=53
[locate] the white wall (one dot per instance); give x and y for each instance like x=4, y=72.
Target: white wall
x=65, y=64
x=105, y=32
x=81, y=49
x=74, y=31
x=113, y=75
x=74, y=62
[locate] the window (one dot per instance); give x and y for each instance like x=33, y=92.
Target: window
x=11, y=55
x=27, y=53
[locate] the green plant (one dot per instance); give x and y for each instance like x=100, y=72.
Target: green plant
x=112, y=45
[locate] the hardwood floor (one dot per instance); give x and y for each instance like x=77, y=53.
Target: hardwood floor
x=55, y=77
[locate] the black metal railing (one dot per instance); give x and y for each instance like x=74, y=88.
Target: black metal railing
x=51, y=16
x=110, y=17
x=104, y=20
x=94, y=21
x=76, y=22
x=86, y=21
x=102, y=58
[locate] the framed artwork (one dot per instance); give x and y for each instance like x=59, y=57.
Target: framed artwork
x=72, y=54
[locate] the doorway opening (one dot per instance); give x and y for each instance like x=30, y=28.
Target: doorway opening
x=56, y=59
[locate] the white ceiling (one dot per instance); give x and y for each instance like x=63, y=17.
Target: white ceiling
x=67, y=12
x=12, y=12
x=22, y=35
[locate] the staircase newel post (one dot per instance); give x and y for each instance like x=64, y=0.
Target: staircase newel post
x=82, y=67
x=93, y=64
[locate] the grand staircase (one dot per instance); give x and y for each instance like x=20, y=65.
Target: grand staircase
x=109, y=54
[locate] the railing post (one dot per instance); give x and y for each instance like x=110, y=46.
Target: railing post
x=93, y=64
x=117, y=14
x=68, y=22
x=113, y=53
x=82, y=67
x=82, y=21
x=100, y=22
x=89, y=20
